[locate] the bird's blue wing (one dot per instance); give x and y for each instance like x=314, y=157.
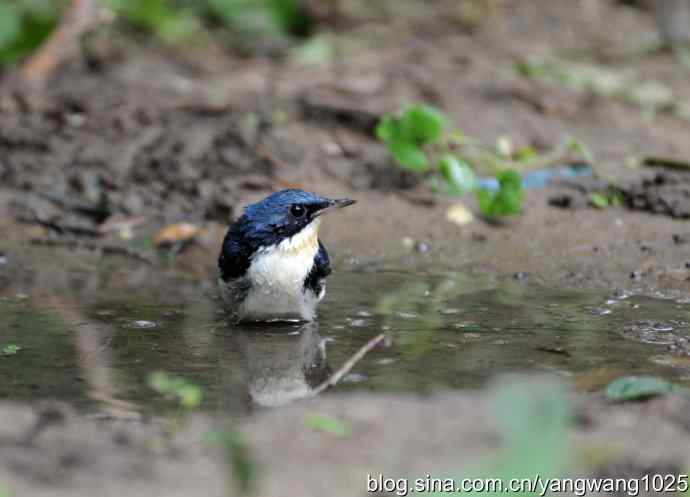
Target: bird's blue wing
x=319, y=271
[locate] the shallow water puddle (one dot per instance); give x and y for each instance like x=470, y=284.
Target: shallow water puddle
x=444, y=331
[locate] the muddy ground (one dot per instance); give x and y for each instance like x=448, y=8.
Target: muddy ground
x=50, y=450
x=130, y=137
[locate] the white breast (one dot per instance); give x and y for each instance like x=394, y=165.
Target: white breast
x=277, y=275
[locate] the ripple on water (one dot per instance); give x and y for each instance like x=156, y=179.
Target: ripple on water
x=142, y=324
x=443, y=331
x=654, y=332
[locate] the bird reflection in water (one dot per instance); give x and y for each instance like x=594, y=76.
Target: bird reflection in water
x=284, y=364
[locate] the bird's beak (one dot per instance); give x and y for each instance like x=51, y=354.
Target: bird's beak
x=335, y=204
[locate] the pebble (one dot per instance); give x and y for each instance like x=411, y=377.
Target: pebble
x=450, y=311
x=355, y=378
x=359, y=323
x=143, y=324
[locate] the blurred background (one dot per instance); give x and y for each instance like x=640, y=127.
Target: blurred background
x=522, y=172
x=183, y=111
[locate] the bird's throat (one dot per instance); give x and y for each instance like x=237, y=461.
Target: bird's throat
x=306, y=240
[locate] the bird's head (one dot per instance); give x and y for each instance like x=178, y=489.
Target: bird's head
x=288, y=217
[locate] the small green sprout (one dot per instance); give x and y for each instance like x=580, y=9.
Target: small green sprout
x=24, y=26
x=10, y=349
x=330, y=425
x=419, y=141
x=507, y=200
x=407, y=134
x=317, y=50
x=270, y=18
x=170, y=23
x=458, y=175
x=598, y=200
x=602, y=200
x=188, y=395
x=239, y=457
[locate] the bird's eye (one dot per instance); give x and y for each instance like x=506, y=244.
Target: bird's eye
x=297, y=210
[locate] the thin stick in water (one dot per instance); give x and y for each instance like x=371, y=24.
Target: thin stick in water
x=347, y=367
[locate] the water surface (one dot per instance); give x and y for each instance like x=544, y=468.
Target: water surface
x=96, y=348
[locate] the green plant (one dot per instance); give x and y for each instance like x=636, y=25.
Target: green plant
x=507, y=200
x=642, y=387
x=170, y=22
x=328, y=424
x=24, y=25
x=10, y=349
x=407, y=135
x=239, y=457
x=268, y=18
x=418, y=140
x=609, y=198
x=187, y=395
x=533, y=419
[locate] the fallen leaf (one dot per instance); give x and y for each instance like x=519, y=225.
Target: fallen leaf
x=174, y=233
x=330, y=425
x=640, y=387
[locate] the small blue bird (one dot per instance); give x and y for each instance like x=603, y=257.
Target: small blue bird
x=272, y=264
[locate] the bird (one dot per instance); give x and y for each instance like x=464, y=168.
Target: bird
x=272, y=264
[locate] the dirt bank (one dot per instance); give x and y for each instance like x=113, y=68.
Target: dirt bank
x=107, y=144
x=49, y=450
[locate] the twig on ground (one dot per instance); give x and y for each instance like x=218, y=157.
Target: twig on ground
x=347, y=367
x=81, y=15
x=667, y=162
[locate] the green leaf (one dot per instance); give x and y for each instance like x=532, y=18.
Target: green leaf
x=599, y=200
x=387, y=129
x=177, y=27
x=187, y=394
x=241, y=460
x=289, y=17
x=485, y=199
x=190, y=396
x=458, y=175
x=160, y=382
x=317, y=50
x=172, y=24
x=239, y=456
x=576, y=146
x=507, y=200
x=422, y=124
x=33, y=30
x=409, y=155
x=526, y=154
x=10, y=23
x=327, y=424
x=509, y=179
x=534, y=421
x=640, y=387
x=10, y=349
